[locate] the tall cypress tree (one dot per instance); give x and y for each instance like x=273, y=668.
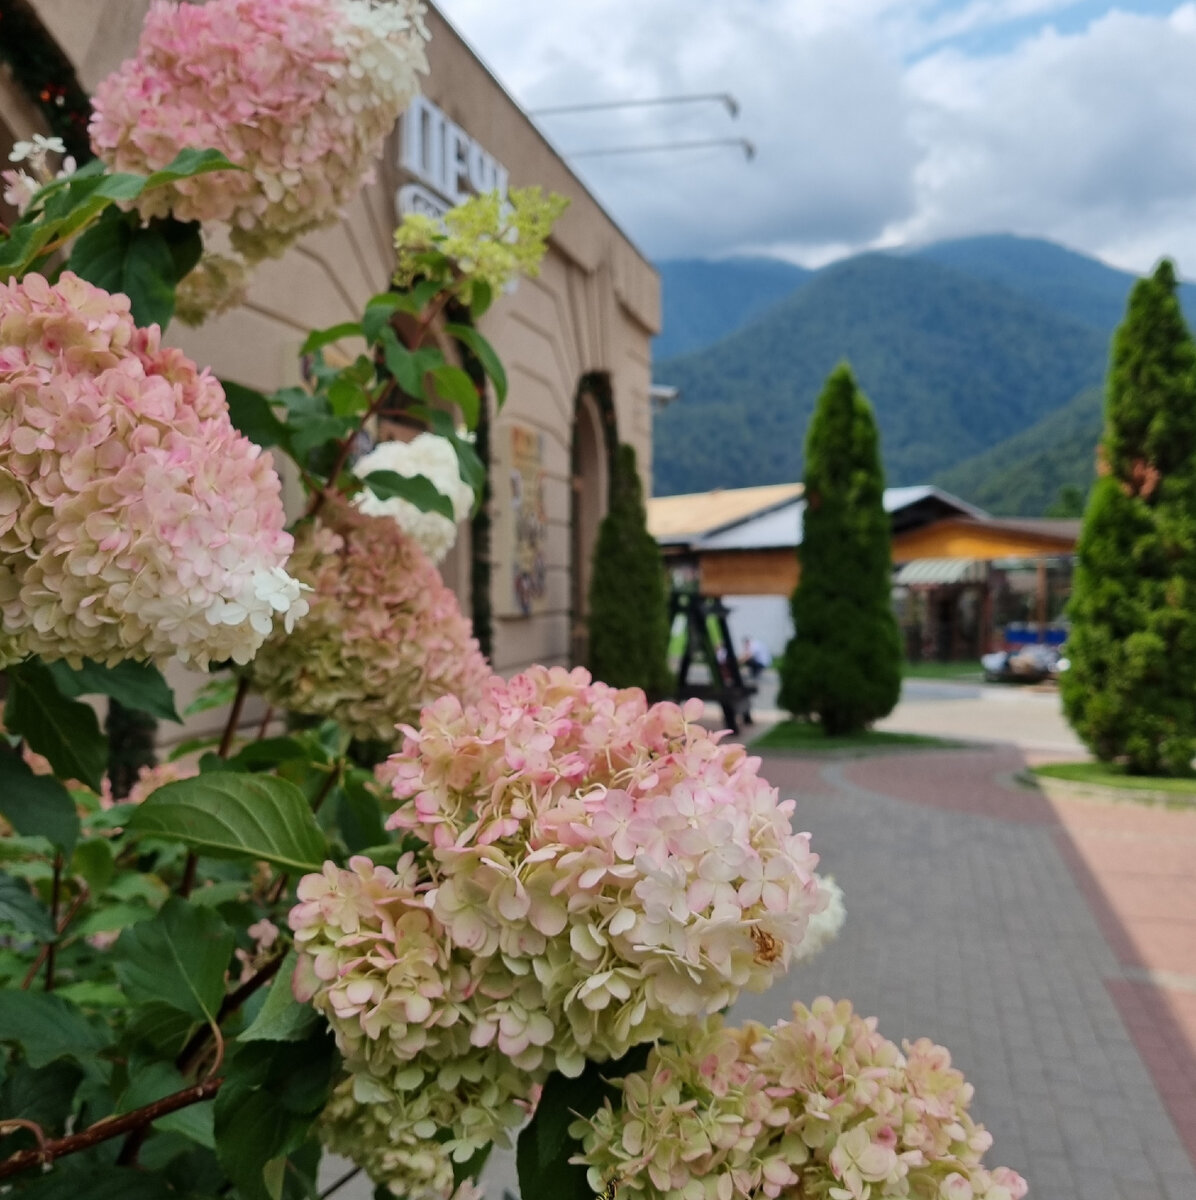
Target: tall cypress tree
x=1130, y=692
x=843, y=664
x=628, y=617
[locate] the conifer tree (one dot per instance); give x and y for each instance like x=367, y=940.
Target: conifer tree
x=1130, y=692
x=843, y=664
x=628, y=603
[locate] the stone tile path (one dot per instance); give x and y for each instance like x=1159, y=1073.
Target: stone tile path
x=1050, y=944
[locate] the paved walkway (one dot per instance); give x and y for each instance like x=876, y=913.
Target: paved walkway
x=1027, y=717
x=1050, y=944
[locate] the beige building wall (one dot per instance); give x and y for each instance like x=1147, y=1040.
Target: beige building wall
x=594, y=309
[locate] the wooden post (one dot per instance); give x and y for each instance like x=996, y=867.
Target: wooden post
x=1042, y=600
x=986, y=612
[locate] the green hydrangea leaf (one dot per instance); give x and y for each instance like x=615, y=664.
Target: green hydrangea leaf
x=47, y=1027
x=235, y=815
x=178, y=958
x=136, y=685
x=65, y=731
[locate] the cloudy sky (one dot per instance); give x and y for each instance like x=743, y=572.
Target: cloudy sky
x=877, y=122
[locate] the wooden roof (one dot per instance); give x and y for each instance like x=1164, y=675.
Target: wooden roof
x=687, y=518
x=987, y=539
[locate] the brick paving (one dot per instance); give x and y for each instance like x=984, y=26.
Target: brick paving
x=1049, y=943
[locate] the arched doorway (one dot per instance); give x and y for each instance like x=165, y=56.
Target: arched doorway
x=594, y=442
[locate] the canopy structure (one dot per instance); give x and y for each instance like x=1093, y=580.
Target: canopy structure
x=939, y=572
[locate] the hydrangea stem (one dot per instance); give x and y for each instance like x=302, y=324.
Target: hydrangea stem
x=226, y=741
x=337, y=1184
x=111, y=1127
x=44, y=952
x=55, y=898
x=193, y=1051
x=234, y=717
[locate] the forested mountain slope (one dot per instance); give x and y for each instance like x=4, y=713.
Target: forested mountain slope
x=703, y=301
x=953, y=364
x=1023, y=475
x=1062, y=280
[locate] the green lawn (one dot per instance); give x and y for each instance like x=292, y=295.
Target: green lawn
x=804, y=736
x=1112, y=776
x=969, y=671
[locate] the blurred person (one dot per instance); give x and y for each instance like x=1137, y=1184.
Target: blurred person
x=755, y=657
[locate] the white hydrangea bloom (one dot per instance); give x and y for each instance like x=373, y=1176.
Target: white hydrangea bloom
x=436, y=460
x=826, y=925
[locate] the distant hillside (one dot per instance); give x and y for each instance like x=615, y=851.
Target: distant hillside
x=953, y=365
x=1063, y=280
x=703, y=301
x=1022, y=476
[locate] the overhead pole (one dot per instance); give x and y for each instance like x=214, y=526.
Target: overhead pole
x=748, y=148
x=724, y=98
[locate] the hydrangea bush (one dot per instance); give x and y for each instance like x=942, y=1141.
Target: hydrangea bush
x=531, y=915
x=598, y=874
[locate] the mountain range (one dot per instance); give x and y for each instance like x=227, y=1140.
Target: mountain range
x=704, y=301
x=982, y=357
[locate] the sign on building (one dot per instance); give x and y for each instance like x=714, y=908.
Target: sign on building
x=447, y=165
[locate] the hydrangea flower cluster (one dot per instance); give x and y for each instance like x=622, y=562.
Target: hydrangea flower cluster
x=384, y=635
x=637, y=868
x=299, y=93
x=217, y=283
x=433, y=458
x=401, y=1001
x=394, y=1143
x=819, y=1106
x=135, y=522
x=600, y=873
x=489, y=238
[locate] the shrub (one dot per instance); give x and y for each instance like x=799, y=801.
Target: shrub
x=843, y=664
x=1131, y=690
x=628, y=620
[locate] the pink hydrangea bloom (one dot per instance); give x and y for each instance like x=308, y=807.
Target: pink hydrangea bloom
x=300, y=93
x=639, y=869
x=135, y=522
x=378, y=964
x=384, y=635
x=819, y=1106
x=599, y=872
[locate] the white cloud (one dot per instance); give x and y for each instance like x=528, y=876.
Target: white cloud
x=985, y=14
x=1089, y=138
x=872, y=127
